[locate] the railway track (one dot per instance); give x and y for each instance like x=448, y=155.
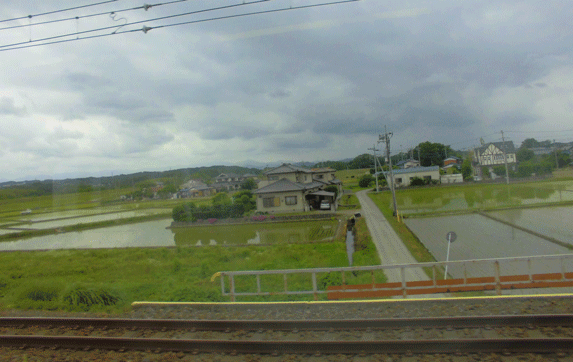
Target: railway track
x=548, y=334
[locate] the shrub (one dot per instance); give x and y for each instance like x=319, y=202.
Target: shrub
x=86, y=297
x=417, y=181
x=365, y=180
x=36, y=296
x=40, y=293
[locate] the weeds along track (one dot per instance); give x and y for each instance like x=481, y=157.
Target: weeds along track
x=546, y=334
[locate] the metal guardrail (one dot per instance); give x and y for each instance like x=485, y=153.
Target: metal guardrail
x=469, y=273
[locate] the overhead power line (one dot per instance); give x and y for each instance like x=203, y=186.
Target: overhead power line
x=45, y=41
x=58, y=11
x=145, y=29
x=142, y=7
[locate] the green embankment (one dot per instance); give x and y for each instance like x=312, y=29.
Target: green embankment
x=108, y=280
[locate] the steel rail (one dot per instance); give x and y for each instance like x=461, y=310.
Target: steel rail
x=513, y=345
x=545, y=320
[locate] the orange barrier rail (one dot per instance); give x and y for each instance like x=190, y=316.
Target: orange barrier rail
x=550, y=280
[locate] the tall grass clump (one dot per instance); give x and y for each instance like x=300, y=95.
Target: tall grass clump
x=85, y=297
x=38, y=296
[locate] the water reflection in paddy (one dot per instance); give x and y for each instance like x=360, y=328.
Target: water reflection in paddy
x=482, y=238
x=490, y=196
x=253, y=234
x=555, y=222
x=146, y=234
x=89, y=219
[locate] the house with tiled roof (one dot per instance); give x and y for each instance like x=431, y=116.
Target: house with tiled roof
x=195, y=188
x=408, y=163
x=230, y=181
x=290, y=188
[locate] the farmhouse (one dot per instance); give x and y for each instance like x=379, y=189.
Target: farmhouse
x=290, y=188
x=194, y=188
x=491, y=154
x=403, y=177
x=230, y=181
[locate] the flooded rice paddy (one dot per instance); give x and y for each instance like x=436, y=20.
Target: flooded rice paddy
x=488, y=196
x=156, y=234
x=555, y=222
x=479, y=237
x=145, y=234
x=58, y=223
x=257, y=234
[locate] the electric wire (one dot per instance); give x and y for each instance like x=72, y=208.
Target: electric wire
x=145, y=29
x=142, y=7
x=45, y=41
x=58, y=11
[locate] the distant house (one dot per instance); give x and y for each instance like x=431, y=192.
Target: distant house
x=195, y=188
x=408, y=163
x=290, y=188
x=452, y=160
x=403, y=177
x=538, y=151
x=491, y=154
x=231, y=181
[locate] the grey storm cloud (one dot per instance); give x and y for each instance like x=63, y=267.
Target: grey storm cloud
x=8, y=107
x=296, y=80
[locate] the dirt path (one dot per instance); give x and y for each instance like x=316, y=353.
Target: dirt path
x=390, y=247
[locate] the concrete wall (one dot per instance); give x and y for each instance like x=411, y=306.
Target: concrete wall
x=449, y=179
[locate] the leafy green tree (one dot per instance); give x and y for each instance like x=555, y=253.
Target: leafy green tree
x=184, y=212
x=525, y=169
x=433, y=153
x=249, y=184
x=167, y=191
x=365, y=181
x=245, y=198
x=524, y=154
x=563, y=159
x=529, y=143
x=364, y=160
x=222, y=198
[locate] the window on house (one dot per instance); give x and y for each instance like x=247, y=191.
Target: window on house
x=399, y=180
x=271, y=202
x=290, y=200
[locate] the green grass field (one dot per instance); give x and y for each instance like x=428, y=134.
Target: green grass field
x=109, y=280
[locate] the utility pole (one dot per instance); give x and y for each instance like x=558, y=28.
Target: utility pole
x=555, y=150
x=373, y=149
x=386, y=139
x=505, y=159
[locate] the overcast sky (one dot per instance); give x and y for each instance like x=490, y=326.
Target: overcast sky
x=300, y=85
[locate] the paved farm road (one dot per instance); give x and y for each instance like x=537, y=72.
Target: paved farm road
x=390, y=248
